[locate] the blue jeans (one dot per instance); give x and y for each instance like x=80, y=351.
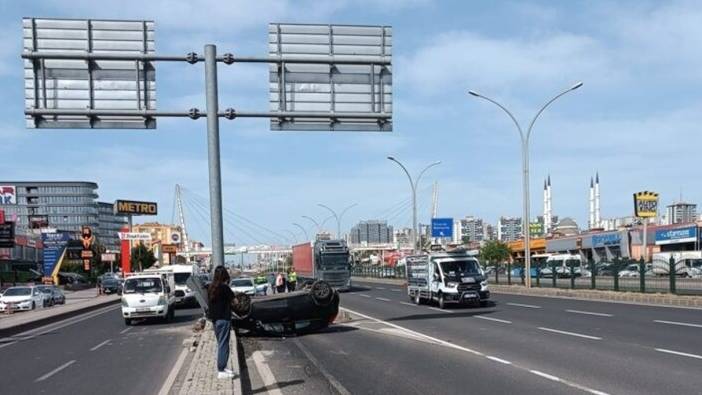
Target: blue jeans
x=222, y=329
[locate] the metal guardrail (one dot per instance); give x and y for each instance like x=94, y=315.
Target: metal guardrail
x=612, y=277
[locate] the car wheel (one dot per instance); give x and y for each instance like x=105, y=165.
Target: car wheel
x=322, y=293
x=34, y=305
x=442, y=303
x=417, y=299
x=127, y=322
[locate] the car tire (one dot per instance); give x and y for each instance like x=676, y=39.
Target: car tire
x=442, y=302
x=34, y=305
x=322, y=293
x=127, y=322
x=417, y=299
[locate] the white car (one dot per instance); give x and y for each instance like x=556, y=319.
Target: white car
x=243, y=285
x=147, y=296
x=21, y=298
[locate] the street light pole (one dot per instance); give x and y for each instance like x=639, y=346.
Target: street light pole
x=337, y=217
x=413, y=185
x=319, y=227
x=525, y=170
x=304, y=231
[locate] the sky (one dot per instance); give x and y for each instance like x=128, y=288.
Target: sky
x=635, y=120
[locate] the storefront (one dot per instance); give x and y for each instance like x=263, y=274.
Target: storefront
x=677, y=238
x=606, y=246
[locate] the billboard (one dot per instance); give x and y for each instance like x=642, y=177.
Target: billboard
x=358, y=80
x=606, y=239
x=645, y=204
x=8, y=194
x=134, y=236
x=536, y=229
x=674, y=236
x=65, y=83
x=131, y=207
x=442, y=227
x=54, y=245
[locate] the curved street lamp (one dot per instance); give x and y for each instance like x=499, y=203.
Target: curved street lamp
x=338, y=217
x=525, y=170
x=413, y=185
x=304, y=231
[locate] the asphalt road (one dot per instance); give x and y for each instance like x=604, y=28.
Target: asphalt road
x=520, y=344
x=93, y=353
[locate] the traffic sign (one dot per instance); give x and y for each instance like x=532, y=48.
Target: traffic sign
x=442, y=227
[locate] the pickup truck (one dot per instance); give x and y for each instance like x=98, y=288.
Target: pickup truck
x=446, y=278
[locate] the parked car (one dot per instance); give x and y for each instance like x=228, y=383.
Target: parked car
x=111, y=284
x=21, y=298
x=48, y=295
x=243, y=285
x=57, y=295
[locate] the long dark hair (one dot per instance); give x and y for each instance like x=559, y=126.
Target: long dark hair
x=221, y=276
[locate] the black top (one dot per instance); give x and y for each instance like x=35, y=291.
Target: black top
x=219, y=308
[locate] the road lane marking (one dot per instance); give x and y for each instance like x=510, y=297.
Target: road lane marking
x=53, y=372
x=570, y=333
x=441, y=310
x=492, y=319
x=545, y=375
x=408, y=304
x=364, y=295
x=678, y=323
x=683, y=354
x=381, y=288
x=331, y=379
x=125, y=331
x=100, y=345
x=500, y=360
x=267, y=377
x=396, y=290
x=468, y=350
x=531, y=306
x=383, y=299
x=57, y=325
x=166, y=388
x=590, y=313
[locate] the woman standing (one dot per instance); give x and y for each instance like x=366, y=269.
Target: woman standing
x=219, y=301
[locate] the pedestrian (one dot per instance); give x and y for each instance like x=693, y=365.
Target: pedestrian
x=292, y=280
x=280, y=283
x=219, y=297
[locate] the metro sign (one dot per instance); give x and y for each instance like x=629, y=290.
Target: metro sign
x=129, y=207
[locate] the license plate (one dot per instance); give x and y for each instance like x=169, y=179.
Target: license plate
x=470, y=296
x=142, y=309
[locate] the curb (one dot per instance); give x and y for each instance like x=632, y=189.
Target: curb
x=19, y=328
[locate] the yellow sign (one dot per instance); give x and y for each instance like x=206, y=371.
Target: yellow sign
x=135, y=208
x=645, y=204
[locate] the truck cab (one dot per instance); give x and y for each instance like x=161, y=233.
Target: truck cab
x=148, y=295
x=446, y=278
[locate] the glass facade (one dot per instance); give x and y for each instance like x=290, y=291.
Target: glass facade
x=110, y=225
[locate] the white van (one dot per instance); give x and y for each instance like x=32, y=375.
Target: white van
x=562, y=263
x=181, y=273
x=148, y=295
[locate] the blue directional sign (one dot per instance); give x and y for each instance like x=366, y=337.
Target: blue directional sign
x=54, y=244
x=442, y=227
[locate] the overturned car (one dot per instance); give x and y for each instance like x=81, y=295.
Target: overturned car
x=309, y=309
x=312, y=308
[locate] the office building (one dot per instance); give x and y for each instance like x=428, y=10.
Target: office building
x=371, y=232
x=509, y=228
x=681, y=213
x=472, y=229
x=109, y=225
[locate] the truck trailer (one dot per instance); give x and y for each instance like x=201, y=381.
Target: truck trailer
x=326, y=260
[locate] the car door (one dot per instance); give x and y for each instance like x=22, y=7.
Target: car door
x=38, y=297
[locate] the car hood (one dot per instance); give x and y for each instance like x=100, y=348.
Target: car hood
x=15, y=299
x=243, y=289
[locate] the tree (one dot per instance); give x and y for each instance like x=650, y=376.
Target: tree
x=142, y=257
x=495, y=251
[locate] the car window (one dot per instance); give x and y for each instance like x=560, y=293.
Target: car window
x=19, y=291
x=142, y=285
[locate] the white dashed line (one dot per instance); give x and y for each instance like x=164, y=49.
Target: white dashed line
x=545, y=375
x=589, y=313
x=381, y=288
x=570, y=333
x=678, y=323
x=383, y=299
x=498, y=360
x=125, y=331
x=408, y=304
x=530, y=306
x=53, y=372
x=492, y=319
x=364, y=295
x=395, y=290
x=438, y=309
x=683, y=354
x=100, y=345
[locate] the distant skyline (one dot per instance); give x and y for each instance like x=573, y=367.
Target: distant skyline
x=635, y=120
